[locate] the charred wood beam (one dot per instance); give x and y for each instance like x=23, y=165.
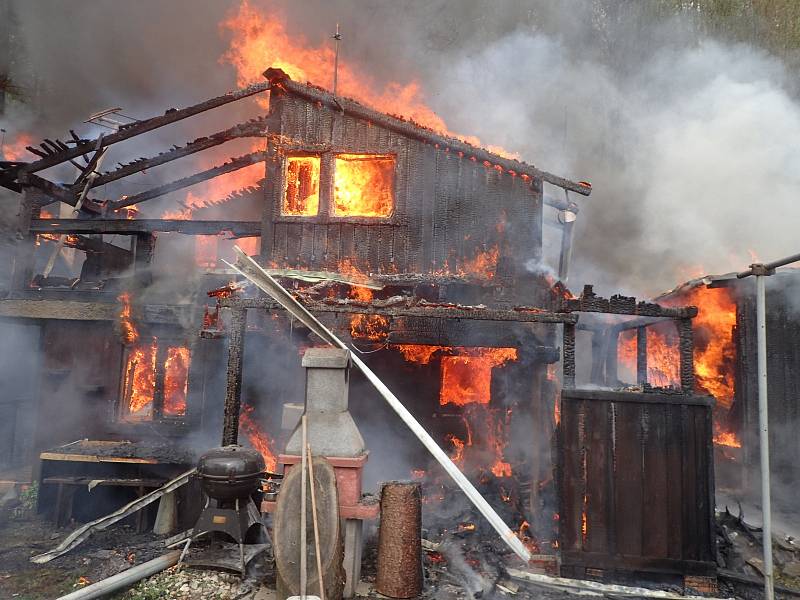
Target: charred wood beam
x=686, y=349
x=234, y=164
x=31, y=305
x=139, y=127
x=641, y=355
x=520, y=315
x=251, y=128
x=624, y=305
x=408, y=128
x=568, y=360
x=233, y=390
x=57, y=193
x=137, y=226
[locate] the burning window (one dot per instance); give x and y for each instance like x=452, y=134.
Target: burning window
x=363, y=185
x=301, y=194
x=155, y=381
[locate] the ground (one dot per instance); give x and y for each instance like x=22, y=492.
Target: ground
x=481, y=575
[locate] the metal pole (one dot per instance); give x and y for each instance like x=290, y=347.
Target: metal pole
x=763, y=425
x=337, y=37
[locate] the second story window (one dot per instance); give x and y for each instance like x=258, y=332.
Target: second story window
x=363, y=185
x=301, y=194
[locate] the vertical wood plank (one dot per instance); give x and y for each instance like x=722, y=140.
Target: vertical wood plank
x=598, y=476
x=655, y=482
x=627, y=479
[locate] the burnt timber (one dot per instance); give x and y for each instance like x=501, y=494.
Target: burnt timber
x=134, y=226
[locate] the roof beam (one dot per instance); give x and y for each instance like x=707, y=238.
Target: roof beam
x=252, y=128
x=135, y=226
x=234, y=164
x=125, y=132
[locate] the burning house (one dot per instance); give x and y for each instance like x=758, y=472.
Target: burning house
x=423, y=250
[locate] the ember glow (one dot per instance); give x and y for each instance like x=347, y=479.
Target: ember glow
x=467, y=378
x=374, y=328
x=258, y=439
x=484, y=263
x=363, y=185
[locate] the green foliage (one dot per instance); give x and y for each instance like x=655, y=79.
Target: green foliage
x=29, y=496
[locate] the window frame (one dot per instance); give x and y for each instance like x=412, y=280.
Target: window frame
x=325, y=213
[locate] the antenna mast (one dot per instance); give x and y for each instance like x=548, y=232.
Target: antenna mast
x=337, y=37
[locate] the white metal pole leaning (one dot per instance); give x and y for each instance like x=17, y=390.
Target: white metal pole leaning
x=251, y=270
x=760, y=271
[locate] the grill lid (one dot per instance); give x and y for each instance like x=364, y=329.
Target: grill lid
x=230, y=463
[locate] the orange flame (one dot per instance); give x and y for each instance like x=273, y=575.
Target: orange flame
x=362, y=185
x=14, y=150
x=259, y=440
x=301, y=194
x=176, y=380
x=727, y=438
x=129, y=333
x=663, y=357
x=374, y=328
x=260, y=41
x=139, y=381
x=466, y=378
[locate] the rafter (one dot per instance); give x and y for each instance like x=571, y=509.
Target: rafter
x=234, y=164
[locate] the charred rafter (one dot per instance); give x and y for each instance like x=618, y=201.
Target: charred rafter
x=234, y=164
x=135, y=226
x=252, y=128
x=125, y=132
x=57, y=193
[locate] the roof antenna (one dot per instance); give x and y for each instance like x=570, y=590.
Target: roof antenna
x=337, y=37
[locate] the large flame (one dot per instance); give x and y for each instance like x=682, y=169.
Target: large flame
x=466, y=378
x=714, y=352
x=260, y=40
x=363, y=185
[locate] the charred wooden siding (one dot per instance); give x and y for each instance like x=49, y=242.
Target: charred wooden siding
x=636, y=483
x=449, y=209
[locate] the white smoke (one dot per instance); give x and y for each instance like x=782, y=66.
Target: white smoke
x=691, y=153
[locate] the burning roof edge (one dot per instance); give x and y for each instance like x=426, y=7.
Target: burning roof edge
x=279, y=79
x=715, y=281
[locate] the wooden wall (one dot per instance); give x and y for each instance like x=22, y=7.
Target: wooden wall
x=448, y=208
x=636, y=483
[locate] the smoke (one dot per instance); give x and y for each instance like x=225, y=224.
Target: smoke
x=684, y=137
